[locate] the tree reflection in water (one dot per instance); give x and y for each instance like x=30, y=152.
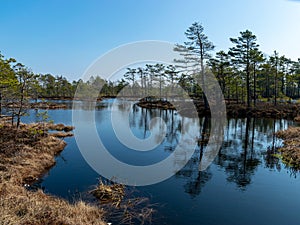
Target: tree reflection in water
x=272, y=161
x=248, y=144
x=241, y=162
x=197, y=179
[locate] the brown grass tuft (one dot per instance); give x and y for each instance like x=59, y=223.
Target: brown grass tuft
x=113, y=193
x=297, y=119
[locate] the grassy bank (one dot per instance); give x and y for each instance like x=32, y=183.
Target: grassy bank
x=290, y=151
x=25, y=155
x=261, y=110
x=39, y=105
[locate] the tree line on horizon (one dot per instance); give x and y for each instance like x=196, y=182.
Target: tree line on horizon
x=244, y=73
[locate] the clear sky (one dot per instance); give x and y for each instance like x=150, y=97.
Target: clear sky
x=63, y=37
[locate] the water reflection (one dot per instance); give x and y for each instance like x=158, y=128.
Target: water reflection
x=140, y=118
x=271, y=159
x=248, y=144
x=244, y=177
x=240, y=159
x=196, y=179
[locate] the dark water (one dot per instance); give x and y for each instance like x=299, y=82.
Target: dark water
x=244, y=185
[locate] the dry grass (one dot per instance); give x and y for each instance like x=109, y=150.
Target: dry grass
x=62, y=134
x=121, y=210
x=19, y=206
x=40, y=105
x=297, y=119
x=60, y=127
x=113, y=193
x=291, y=149
x=25, y=155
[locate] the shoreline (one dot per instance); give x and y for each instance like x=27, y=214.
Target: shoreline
x=26, y=155
x=233, y=110
x=290, y=151
x=41, y=105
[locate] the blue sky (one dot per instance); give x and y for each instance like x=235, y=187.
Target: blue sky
x=63, y=37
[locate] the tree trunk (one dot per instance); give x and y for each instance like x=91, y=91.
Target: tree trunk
x=275, y=89
x=248, y=86
x=206, y=106
x=0, y=103
x=160, y=84
x=236, y=92
x=267, y=87
x=254, y=85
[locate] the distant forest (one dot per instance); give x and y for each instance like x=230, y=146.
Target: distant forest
x=245, y=74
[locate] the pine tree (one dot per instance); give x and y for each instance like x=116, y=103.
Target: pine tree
x=241, y=54
x=196, y=50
